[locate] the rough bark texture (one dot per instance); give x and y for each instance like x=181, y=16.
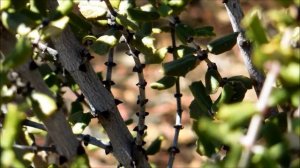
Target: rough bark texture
x=235, y=14
x=57, y=127
x=69, y=49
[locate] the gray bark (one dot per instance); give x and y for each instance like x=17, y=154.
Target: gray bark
x=235, y=14
x=57, y=126
x=124, y=148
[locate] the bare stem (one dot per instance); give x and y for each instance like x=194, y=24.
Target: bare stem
x=256, y=121
x=81, y=137
x=178, y=126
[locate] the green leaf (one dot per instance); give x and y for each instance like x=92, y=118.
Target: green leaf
x=155, y=146
x=105, y=42
x=222, y=44
x=180, y=67
x=198, y=109
x=63, y=9
x=11, y=126
x=139, y=15
x=206, y=145
x=183, y=32
x=80, y=117
x=5, y=4
x=76, y=107
x=177, y=5
x=237, y=115
x=82, y=25
x=165, y=10
x=255, y=30
x=80, y=161
x=46, y=104
x=278, y=96
x=55, y=27
x=239, y=91
x=128, y=24
x=212, y=80
x=18, y=4
x=206, y=31
x=92, y=9
x=291, y=73
x=201, y=101
x=184, y=50
x=245, y=80
x=115, y=3
x=17, y=22
x=296, y=98
x=164, y=83
x=156, y=57
x=19, y=55
x=39, y=6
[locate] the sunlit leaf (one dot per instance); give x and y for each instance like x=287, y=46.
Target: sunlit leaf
x=56, y=27
x=164, y=83
x=92, y=9
x=46, y=104
x=11, y=126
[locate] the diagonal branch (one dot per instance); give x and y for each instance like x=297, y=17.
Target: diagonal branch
x=98, y=96
x=235, y=14
x=64, y=139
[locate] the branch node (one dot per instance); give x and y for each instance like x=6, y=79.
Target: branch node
x=174, y=150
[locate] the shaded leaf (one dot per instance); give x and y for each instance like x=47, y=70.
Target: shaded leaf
x=139, y=15
x=164, y=83
x=222, y=44
x=155, y=145
x=180, y=67
x=19, y=55
x=206, y=31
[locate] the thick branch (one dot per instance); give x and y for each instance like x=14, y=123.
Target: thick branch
x=98, y=96
x=235, y=14
x=56, y=125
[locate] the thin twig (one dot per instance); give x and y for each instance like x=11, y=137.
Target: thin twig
x=110, y=64
x=178, y=126
x=256, y=121
x=80, y=137
x=141, y=84
x=35, y=148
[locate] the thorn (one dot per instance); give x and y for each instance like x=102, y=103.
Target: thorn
x=80, y=150
x=62, y=160
x=142, y=84
x=178, y=126
x=86, y=140
x=138, y=69
x=170, y=49
x=174, y=150
x=108, y=149
x=80, y=98
x=178, y=95
x=32, y=65
x=82, y=68
x=110, y=64
x=202, y=55
x=117, y=101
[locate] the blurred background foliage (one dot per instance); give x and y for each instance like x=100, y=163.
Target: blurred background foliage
x=218, y=98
